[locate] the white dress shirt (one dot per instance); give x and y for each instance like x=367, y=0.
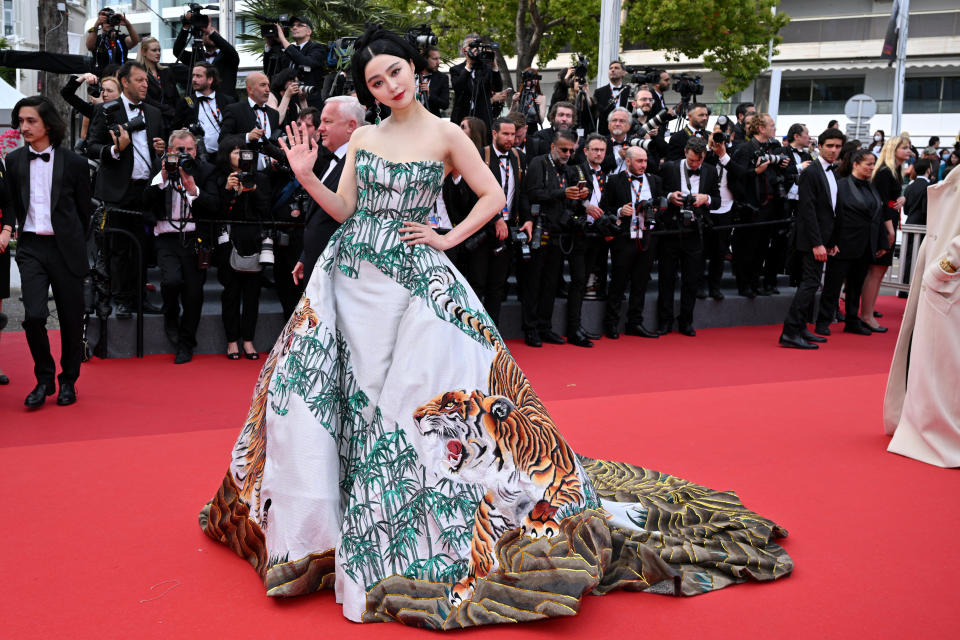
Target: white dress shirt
x=726, y=196
x=596, y=193
x=165, y=226
x=621, y=163
x=694, y=180
x=794, y=192
x=506, y=173
x=139, y=142
x=831, y=180
x=263, y=122
x=41, y=184
x=339, y=153
x=638, y=195
x=209, y=117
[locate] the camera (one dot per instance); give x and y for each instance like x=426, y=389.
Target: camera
x=269, y=27
x=687, y=215
x=114, y=19
x=581, y=68
x=480, y=51
x=647, y=75
x=173, y=162
x=266, y=250
x=661, y=118
x=298, y=204
x=529, y=75
x=248, y=168
x=197, y=22
x=94, y=90
x=421, y=37
x=132, y=126
x=719, y=137
x=688, y=85
x=762, y=156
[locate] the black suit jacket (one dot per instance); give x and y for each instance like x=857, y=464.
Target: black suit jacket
x=240, y=118
x=463, y=91
x=438, y=100
x=603, y=99
x=206, y=205
x=709, y=185
x=69, y=201
x=319, y=225
x=543, y=187
x=188, y=107
x=859, y=215
x=617, y=193
x=226, y=62
x=677, y=143
x=113, y=178
x=519, y=206
x=916, y=206
x=815, y=214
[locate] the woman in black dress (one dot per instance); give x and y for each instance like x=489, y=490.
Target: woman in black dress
x=243, y=202
x=856, y=242
x=162, y=89
x=888, y=179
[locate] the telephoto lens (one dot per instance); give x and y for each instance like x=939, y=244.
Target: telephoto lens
x=266, y=251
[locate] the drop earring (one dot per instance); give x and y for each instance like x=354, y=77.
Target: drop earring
x=377, y=121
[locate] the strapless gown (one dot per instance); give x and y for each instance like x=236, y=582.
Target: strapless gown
x=395, y=452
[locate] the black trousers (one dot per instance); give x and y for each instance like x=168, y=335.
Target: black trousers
x=284, y=260
x=181, y=284
x=776, y=249
x=684, y=253
x=801, y=309
x=596, y=254
x=239, y=301
x=41, y=266
x=631, y=266
x=854, y=271
x=125, y=267
x=487, y=272
x=750, y=246
x=715, y=247
x=540, y=276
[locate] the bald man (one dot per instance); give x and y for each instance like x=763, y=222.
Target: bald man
x=251, y=116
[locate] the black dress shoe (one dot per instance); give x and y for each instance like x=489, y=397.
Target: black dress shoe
x=701, y=294
x=551, y=337
x=152, y=309
x=184, y=355
x=716, y=294
x=579, y=339
x=796, y=342
x=877, y=314
x=612, y=333
x=38, y=396
x=67, y=395
x=664, y=329
x=857, y=328
x=688, y=330
x=4, y=379
x=590, y=335
x=532, y=338
x=876, y=329
x=821, y=330
x=747, y=293
x=124, y=312
x=639, y=330
x=810, y=336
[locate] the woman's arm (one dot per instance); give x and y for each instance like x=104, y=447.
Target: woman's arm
x=303, y=155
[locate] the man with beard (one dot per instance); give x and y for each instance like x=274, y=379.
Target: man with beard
x=618, y=122
x=205, y=107
x=561, y=119
x=697, y=117
x=643, y=111
x=609, y=97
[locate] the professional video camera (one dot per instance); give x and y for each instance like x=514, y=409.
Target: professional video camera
x=268, y=28
x=660, y=119
x=688, y=85
x=132, y=126
x=248, y=168
x=647, y=75
x=483, y=52
x=194, y=20
x=114, y=19
x=421, y=37
x=581, y=68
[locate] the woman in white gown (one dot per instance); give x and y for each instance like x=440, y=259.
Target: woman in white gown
x=395, y=451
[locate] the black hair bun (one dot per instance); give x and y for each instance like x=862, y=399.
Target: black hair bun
x=374, y=41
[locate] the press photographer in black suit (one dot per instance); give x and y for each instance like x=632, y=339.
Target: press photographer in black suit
x=205, y=106
x=474, y=81
x=697, y=116
x=434, y=84
x=178, y=198
x=816, y=204
x=596, y=250
x=110, y=46
x=216, y=51
x=658, y=89
x=643, y=112
x=128, y=162
x=613, y=95
x=554, y=186
x=618, y=124
x=745, y=111
x=47, y=195
x=780, y=251
x=309, y=57
x=632, y=249
x=561, y=119
x=717, y=241
x=683, y=179
x=252, y=117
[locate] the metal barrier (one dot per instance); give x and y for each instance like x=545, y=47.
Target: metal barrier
x=905, y=261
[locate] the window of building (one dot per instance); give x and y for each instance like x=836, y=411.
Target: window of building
x=817, y=95
x=7, y=18
x=932, y=95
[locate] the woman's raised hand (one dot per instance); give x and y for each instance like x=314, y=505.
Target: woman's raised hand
x=300, y=149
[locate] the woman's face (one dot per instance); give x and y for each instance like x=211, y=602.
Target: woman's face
x=902, y=152
x=110, y=91
x=391, y=80
x=465, y=126
x=864, y=168
x=954, y=158
x=153, y=52
x=235, y=158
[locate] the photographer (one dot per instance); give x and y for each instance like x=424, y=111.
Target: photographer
x=214, y=50
x=108, y=89
x=259, y=123
x=434, y=84
x=759, y=199
x=697, y=116
x=717, y=242
x=694, y=190
x=745, y=110
x=309, y=58
x=643, y=117
x=613, y=95
x=571, y=87
x=629, y=199
x=126, y=136
x=618, y=124
x=105, y=41
x=596, y=250
x=657, y=89
x=561, y=119
x=202, y=112
x=520, y=135
x=559, y=191
x=530, y=102
x=182, y=253
x=244, y=197
x=781, y=246
x=286, y=97
x=475, y=80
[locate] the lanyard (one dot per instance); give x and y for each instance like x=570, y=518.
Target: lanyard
x=562, y=177
x=600, y=180
x=505, y=169
x=637, y=190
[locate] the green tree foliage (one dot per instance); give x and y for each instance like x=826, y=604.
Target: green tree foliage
x=731, y=35
x=8, y=75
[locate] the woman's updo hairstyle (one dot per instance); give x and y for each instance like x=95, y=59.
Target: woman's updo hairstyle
x=375, y=41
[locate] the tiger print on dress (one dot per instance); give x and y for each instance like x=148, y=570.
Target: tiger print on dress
x=249, y=454
x=505, y=441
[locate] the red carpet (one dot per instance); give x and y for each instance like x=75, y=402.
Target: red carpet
x=103, y=496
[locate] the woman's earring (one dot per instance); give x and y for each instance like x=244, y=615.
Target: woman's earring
x=378, y=113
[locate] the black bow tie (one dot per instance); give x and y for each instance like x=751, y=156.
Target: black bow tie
x=39, y=156
x=693, y=172
x=203, y=98
x=637, y=179
x=136, y=105
x=830, y=167
x=259, y=108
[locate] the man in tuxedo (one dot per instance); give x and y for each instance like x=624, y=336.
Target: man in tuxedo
x=303, y=54
x=252, y=117
x=561, y=119
x=341, y=116
x=613, y=95
x=916, y=193
x=687, y=177
x=47, y=193
x=618, y=124
x=520, y=133
x=127, y=163
x=434, y=84
x=642, y=113
x=632, y=253
x=553, y=185
x=216, y=51
x=716, y=242
x=781, y=250
x=697, y=116
x=658, y=89
x=474, y=82
x=745, y=111
x=596, y=249
x=816, y=205
x=206, y=107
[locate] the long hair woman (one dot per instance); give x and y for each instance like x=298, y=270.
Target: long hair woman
x=162, y=89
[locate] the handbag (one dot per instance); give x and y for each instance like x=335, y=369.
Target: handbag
x=244, y=264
